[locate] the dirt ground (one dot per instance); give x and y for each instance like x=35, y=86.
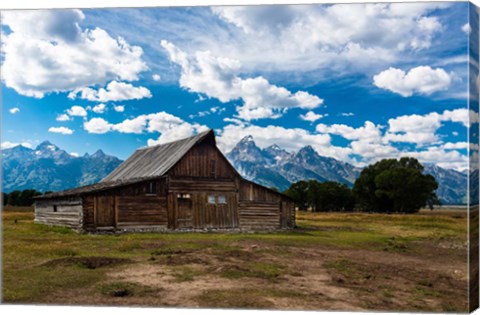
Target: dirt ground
x=306, y=279
x=342, y=262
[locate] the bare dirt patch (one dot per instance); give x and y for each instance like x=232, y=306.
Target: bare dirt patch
x=86, y=262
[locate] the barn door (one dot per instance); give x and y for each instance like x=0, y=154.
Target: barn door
x=105, y=211
x=185, y=213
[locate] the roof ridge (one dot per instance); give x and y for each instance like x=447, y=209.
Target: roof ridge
x=200, y=134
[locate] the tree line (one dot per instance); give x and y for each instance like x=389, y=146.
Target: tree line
x=388, y=186
x=22, y=198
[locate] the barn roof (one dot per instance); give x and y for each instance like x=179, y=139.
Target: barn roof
x=91, y=188
x=156, y=160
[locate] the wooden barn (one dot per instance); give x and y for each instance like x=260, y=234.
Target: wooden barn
x=183, y=185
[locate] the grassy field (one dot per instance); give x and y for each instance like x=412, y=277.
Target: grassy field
x=332, y=261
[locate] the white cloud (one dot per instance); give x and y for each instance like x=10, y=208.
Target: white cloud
x=219, y=78
x=466, y=28
x=156, y=77
x=74, y=154
x=8, y=144
x=422, y=80
x=62, y=130
x=62, y=117
x=311, y=116
x=119, y=108
x=115, y=91
x=100, y=108
x=14, y=110
x=455, y=146
x=169, y=126
x=347, y=114
x=369, y=131
x=66, y=52
x=135, y=125
x=339, y=36
x=97, y=125
x=422, y=129
x=76, y=110
x=450, y=159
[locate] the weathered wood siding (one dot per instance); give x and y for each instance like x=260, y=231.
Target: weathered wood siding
x=132, y=206
x=141, y=210
x=60, y=212
x=202, y=214
x=260, y=208
x=252, y=192
x=203, y=161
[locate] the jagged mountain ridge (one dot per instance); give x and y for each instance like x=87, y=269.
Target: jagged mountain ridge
x=49, y=168
x=275, y=167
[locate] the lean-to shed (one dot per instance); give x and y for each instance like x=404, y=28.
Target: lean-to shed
x=182, y=185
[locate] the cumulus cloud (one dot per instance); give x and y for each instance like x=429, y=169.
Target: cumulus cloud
x=169, y=127
x=14, y=110
x=97, y=126
x=329, y=36
x=218, y=77
x=61, y=130
x=77, y=110
x=450, y=159
x=369, y=131
x=422, y=129
x=119, y=108
x=115, y=91
x=62, y=117
x=156, y=77
x=466, y=28
x=311, y=116
x=8, y=144
x=66, y=52
x=422, y=80
x=100, y=108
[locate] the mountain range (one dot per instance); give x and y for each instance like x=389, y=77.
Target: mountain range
x=49, y=168
x=275, y=167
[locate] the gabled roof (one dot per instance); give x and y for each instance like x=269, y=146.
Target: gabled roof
x=155, y=161
x=101, y=186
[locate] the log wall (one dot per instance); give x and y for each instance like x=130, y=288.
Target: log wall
x=60, y=212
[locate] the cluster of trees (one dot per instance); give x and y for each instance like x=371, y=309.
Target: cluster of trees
x=326, y=196
x=23, y=198
x=389, y=185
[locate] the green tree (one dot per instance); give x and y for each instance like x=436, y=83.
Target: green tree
x=392, y=185
x=26, y=197
x=299, y=193
x=5, y=198
x=14, y=198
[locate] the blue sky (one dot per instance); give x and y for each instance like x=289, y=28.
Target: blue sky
x=358, y=82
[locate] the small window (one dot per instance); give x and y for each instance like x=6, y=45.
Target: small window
x=222, y=199
x=55, y=208
x=151, y=188
x=184, y=196
x=211, y=199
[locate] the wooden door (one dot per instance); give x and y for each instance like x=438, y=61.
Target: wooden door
x=105, y=211
x=185, y=213
x=283, y=214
